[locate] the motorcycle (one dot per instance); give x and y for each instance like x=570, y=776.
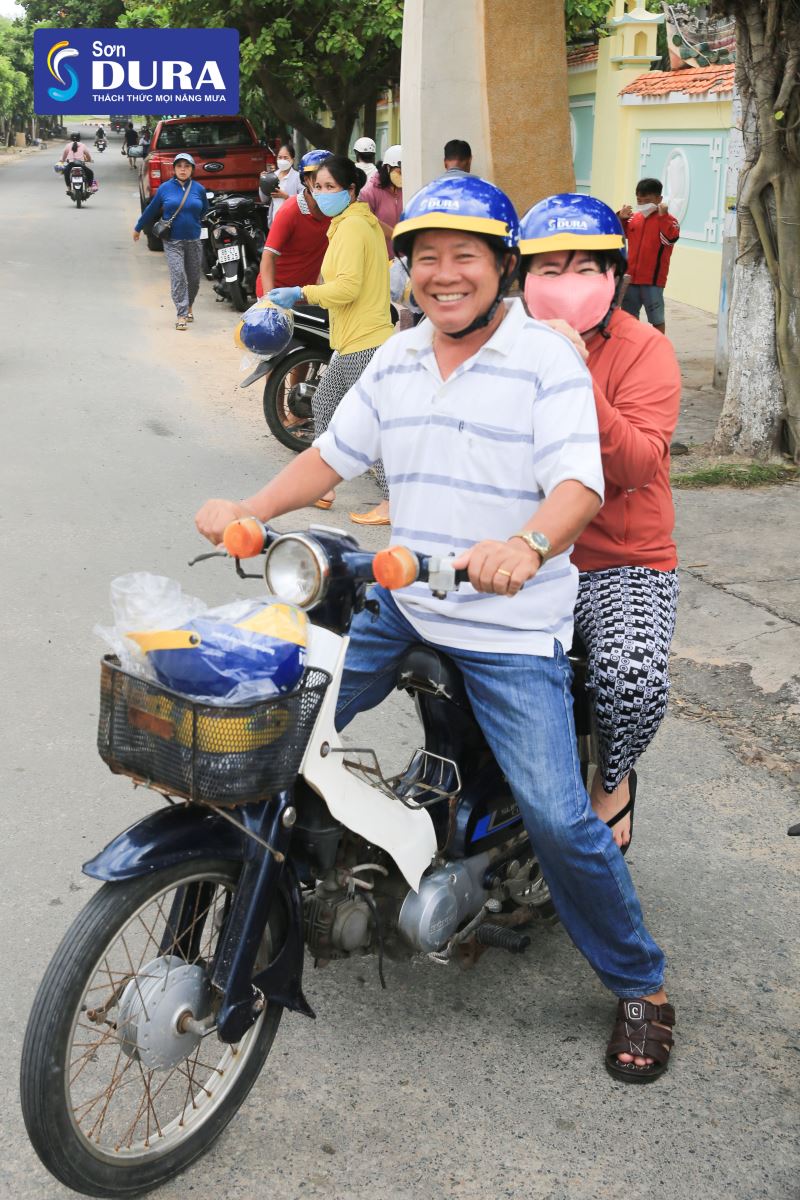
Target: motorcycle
x=100, y=144
x=237, y=231
x=293, y=376
x=78, y=190
x=161, y=1005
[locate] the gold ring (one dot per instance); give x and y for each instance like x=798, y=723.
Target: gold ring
x=503, y=571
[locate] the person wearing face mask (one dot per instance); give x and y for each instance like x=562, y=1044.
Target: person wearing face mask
x=651, y=232
x=573, y=260
x=487, y=422
x=297, y=238
x=355, y=290
x=289, y=182
x=384, y=193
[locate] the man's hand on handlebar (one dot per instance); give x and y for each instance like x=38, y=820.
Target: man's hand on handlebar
x=215, y=515
x=499, y=567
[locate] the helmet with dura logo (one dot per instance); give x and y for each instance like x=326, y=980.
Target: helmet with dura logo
x=467, y=204
x=570, y=221
x=265, y=329
x=313, y=160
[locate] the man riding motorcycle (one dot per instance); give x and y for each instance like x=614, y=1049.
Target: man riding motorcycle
x=486, y=423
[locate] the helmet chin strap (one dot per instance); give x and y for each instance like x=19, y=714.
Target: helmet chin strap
x=506, y=279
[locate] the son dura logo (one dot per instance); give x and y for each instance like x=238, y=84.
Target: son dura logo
x=62, y=72
x=191, y=71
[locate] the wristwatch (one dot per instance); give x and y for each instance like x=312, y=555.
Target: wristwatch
x=535, y=541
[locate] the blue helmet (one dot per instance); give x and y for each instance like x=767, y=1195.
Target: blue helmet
x=464, y=202
x=265, y=329
x=208, y=656
x=570, y=221
x=311, y=161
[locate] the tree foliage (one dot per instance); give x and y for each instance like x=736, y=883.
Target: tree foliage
x=302, y=58
x=16, y=73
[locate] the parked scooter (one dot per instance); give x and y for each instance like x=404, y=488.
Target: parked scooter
x=237, y=231
x=160, y=1007
x=293, y=376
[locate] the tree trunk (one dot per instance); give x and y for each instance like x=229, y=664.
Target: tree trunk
x=750, y=420
x=371, y=116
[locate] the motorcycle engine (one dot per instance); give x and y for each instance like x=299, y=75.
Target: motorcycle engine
x=335, y=922
x=447, y=896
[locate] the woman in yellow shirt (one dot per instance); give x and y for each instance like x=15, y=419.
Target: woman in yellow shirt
x=355, y=290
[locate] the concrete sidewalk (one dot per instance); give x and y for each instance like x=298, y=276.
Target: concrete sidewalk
x=736, y=653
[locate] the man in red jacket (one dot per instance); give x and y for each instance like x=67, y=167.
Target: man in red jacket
x=651, y=232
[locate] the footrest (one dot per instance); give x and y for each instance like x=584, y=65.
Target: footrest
x=502, y=938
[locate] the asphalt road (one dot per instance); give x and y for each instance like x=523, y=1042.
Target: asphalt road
x=449, y=1085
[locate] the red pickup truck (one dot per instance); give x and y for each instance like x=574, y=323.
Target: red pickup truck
x=228, y=154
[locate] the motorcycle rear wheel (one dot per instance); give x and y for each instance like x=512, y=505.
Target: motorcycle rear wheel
x=277, y=414
x=115, y=1099
x=236, y=293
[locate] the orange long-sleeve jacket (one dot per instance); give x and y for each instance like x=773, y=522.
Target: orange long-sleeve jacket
x=637, y=387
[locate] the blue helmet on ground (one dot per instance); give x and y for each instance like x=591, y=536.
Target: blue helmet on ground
x=571, y=221
x=208, y=656
x=466, y=202
x=312, y=161
x=265, y=329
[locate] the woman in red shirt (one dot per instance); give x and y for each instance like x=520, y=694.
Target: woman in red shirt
x=573, y=260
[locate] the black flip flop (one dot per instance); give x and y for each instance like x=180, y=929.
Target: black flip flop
x=623, y=812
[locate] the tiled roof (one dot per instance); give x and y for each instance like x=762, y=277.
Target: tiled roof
x=581, y=56
x=692, y=81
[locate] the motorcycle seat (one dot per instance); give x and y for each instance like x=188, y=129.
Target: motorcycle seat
x=423, y=669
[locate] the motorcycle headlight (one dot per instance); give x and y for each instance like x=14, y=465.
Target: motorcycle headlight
x=297, y=570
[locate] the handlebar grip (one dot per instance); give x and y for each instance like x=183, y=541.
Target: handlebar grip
x=245, y=538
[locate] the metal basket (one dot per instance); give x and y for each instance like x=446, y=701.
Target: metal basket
x=211, y=754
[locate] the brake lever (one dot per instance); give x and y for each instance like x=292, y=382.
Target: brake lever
x=224, y=554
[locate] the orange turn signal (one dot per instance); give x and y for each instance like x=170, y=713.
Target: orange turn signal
x=395, y=567
x=244, y=538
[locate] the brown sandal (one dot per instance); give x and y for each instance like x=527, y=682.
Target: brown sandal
x=638, y=1032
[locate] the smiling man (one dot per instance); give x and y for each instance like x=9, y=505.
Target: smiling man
x=485, y=420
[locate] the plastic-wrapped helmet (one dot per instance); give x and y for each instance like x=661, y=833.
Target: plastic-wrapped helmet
x=571, y=221
x=311, y=162
x=465, y=202
x=265, y=329
x=208, y=656
x=364, y=145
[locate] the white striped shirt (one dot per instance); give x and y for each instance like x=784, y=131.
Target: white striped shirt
x=471, y=458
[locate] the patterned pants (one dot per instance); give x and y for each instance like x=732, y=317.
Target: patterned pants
x=339, y=376
x=183, y=259
x=626, y=618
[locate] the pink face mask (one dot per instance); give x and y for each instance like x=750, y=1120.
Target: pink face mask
x=580, y=300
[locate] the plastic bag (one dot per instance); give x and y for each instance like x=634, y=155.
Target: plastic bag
x=233, y=654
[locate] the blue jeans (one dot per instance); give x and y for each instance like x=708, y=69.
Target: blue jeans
x=650, y=296
x=523, y=704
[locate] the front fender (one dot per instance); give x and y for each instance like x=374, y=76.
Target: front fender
x=165, y=837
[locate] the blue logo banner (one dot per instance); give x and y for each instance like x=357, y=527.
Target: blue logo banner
x=183, y=72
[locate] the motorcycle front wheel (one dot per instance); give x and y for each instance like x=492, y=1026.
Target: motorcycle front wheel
x=302, y=367
x=118, y=1096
